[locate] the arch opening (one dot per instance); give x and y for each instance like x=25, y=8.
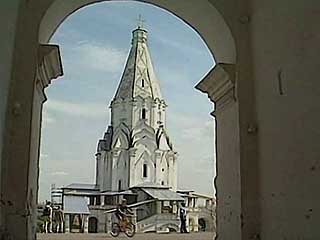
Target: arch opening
x=42, y=36
x=93, y=225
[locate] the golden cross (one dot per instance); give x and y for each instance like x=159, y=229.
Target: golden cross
x=140, y=21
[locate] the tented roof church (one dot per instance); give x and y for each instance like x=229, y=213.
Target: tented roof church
x=136, y=149
x=135, y=159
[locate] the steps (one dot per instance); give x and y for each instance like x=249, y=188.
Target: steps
x=159, y=223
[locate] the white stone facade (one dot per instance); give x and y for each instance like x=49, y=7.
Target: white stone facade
x=136, y=148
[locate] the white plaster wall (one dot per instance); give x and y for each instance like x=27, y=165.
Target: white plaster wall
x=152, y=112
x=172, y=172
x=121, y=170
x=228, y=173
x=8, y=17
x=100, y=169
x=102, y=218
x=108, y=172
x=157, y=107
x=163, y=175
x=34, y=160
x=285, y=38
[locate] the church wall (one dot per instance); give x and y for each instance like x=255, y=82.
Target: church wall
x=141, y=159
x=285, y=42
x=102, y=218
x=166, y=168
x=103, y=170
x=108, y=172
x=172, y=171
x=140, y=104
x=152, y=112
x=99, y=168
x=120, y=170
x=163, y=171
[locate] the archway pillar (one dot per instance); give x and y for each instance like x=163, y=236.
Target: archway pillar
x=230, y=87
x=48, y=68
x=20, y=175
x=219, y=85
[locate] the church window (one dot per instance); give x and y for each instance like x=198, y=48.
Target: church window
x=162, y=182
x=143, y=113
x=145, y=170
x=142, y=83
x=119, y=185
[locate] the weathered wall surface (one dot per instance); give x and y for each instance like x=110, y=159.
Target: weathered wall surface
x=8, y=16
x=104, y=223
x=228, y=178
x=285, y=44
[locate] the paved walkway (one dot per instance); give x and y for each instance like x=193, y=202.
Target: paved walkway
x=147, y=236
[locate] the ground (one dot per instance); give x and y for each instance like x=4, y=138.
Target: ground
x=148, y=236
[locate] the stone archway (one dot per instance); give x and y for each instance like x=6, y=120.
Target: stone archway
x=45, y=64
x=262, y=175
x=219, y=39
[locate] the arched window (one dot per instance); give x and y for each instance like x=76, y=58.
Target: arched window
x=145, y=170
x=142, y=83
x=120, y=185
x=162, y=182
x=143, y=113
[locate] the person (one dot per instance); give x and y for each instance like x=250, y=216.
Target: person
x=47, y=215
x=183, y=218
x=59, y=217
x=122, y=210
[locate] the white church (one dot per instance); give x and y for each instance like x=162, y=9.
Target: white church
x=136, y=149
x=135, y=159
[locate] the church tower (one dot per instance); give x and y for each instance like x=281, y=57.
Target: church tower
x=136, y=149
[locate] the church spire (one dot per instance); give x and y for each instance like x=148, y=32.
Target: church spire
x=140, y=22
x=138, y=78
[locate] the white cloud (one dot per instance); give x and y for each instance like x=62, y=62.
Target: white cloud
x=180, y=46
x=43, y=155
x=47, y=118
x=101, y=57
x=193, y=127
x=90, y=110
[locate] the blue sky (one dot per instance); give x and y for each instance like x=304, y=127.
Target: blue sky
x=94, y=44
